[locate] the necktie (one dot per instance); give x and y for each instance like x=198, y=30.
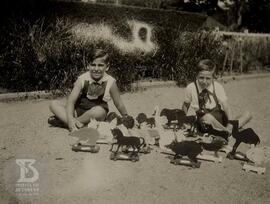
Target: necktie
x=204, y=96
x=95, y=89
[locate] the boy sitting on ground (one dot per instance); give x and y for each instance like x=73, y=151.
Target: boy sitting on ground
x=90, y=95
x=207, y=99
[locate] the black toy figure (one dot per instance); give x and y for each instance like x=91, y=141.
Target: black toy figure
x=215, y=145
x=247, y=136
x=136, y=143
x=173, y=114
x=191, y=149
x=142, y=117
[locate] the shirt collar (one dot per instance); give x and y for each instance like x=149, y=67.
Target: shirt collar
x=210, y=88
x=103, y=79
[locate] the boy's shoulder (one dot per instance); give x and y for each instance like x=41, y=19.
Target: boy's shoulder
x=84, y=76
x=191, y=85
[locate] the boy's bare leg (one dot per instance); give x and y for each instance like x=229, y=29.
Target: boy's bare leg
x=211, y=120
x=96, y=112
x=244, y=119
x=59, y=110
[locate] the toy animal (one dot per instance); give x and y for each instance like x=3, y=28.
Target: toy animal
x=128, y=121
x=191, y=149
x=247, y=136
x=214, y=145
x=142, y=117
x=135, y=142
x=172, y=114
x=112, y=115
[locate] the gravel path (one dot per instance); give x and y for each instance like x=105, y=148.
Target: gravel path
x=68, y=177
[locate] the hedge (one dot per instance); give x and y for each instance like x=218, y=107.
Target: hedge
x=40, y=52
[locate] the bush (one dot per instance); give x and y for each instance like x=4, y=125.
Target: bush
x=193, y=47
x=41, y=53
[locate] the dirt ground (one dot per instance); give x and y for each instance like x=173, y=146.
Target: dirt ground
x=69, y=177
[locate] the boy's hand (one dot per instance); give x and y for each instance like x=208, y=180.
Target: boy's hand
x=229, y=128
x=72, y=124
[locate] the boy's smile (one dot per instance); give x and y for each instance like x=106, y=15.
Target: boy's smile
x=97, y=68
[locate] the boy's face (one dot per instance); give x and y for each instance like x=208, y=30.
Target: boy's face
x=97, y=68
x=205, y=78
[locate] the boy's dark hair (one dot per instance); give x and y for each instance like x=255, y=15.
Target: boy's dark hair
x=100, y=53
x=206, y=65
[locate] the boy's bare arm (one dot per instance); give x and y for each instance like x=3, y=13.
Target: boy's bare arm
x=115, y=94
x=71, y=102
x=185, y=107
x=226, y=109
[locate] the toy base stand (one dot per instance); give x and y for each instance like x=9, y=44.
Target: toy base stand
x=210, y=158
x=185, y=162
x=238, y=156
x=85, y=148
x=257, y=169
x=124, y=156
x=226, y=149
x=144, y=150
x=204, y=157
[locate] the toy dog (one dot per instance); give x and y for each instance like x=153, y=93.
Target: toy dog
x=247, y=136
x=142, y=117
x=128, y=121
x=112, y=115
x=134, y=142
x=191, y=149
x=173, y=114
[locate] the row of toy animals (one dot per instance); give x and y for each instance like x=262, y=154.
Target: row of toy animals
x=122, y=132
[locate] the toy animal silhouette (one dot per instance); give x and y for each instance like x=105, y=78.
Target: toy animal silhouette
x=215, y=145
x=127, y=121
x=112, y=115
x=191, y=149
x=247, y=136
x=151, y=121
x=135, y=142
x=173, y=114
x=142, y=117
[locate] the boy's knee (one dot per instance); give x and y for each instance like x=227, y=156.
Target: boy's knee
x=207, y=118
x=53, y=104
x=99, y=113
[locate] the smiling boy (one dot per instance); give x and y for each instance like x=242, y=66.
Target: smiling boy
x=90, y=95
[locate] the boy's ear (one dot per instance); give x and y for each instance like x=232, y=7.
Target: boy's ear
x=108, y=67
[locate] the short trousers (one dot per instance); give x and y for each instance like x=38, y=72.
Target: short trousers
x=80, y=111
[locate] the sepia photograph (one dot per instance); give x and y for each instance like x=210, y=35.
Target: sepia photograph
x=134, y=101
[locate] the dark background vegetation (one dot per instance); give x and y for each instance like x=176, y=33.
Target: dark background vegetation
x=38, y=51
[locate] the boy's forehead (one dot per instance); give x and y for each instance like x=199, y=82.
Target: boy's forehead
x=100, y=60
x=205, y=74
